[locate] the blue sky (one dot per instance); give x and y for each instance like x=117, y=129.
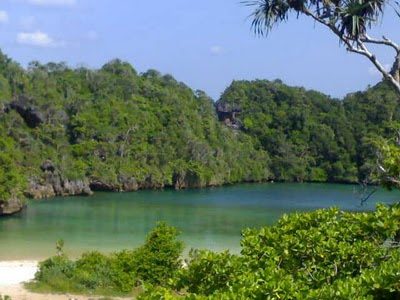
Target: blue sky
x=205, y=44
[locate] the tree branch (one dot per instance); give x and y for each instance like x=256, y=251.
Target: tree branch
x=384, y=41
x=363, y=50
x=363, y=193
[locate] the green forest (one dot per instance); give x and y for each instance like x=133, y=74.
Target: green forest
x=311, y=137
x=66, y=131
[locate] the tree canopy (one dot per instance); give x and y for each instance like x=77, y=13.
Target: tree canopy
x=65, y=131
x=312, y=137
x=115, y=128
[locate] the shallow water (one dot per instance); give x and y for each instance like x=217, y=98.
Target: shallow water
x=208, y=218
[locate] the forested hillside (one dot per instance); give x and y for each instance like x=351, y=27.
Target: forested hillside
x=70, y=131
x=310, y=136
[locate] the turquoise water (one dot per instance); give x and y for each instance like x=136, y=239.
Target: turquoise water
x=208, y=218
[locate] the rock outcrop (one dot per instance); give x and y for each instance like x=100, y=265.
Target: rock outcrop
x=104, y=185
x=129, y=184
x=27, y=110
x=228, y=112
x=51, y=185
x=11, y=206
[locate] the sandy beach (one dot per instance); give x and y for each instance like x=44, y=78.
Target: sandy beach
x=14, y=273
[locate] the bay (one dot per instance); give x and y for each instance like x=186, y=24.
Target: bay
x=209, y=218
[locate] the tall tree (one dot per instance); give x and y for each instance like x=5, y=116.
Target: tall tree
x=349, y=20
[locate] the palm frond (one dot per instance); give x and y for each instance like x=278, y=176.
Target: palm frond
x=268, y=13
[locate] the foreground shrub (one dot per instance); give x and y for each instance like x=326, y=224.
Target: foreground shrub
x=56, y=274
x=156, y=262
x=209, y=272
x=160, y=257
x=325, y=254
x=92, y=271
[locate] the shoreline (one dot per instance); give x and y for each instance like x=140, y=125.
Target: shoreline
x=15, y=272
x=29, y=199
x=13, y=275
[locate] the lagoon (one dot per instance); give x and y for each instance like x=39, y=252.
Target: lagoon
x=209, y=218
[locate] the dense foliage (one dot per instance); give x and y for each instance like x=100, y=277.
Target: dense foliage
x=325, y=254
x=65, y=131
x=156, y=262
x=116, y=128
x=12, y=180
x=311, y=137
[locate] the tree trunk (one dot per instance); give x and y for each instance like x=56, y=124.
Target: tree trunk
x=395, y=72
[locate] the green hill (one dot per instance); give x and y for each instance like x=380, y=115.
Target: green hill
x=310, y=136
x=70, y=131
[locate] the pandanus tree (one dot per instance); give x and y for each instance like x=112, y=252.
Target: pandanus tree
x=350, y=20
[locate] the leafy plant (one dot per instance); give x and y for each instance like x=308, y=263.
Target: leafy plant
x=156, y=262
x=325, y=254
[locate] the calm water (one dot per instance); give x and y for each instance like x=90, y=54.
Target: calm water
x=208, y=218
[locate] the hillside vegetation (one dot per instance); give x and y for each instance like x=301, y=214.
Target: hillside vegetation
x=310, y=136
x=67, y=131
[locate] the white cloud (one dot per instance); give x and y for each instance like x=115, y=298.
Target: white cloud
x=50, y=2
x=39, y=39
x=216, y=50
x=4, y=18
x=374, y=71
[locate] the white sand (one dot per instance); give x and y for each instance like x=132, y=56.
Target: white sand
x=14, y=273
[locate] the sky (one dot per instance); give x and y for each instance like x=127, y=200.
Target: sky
x=205, y=44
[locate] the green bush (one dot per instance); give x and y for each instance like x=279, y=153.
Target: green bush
x=92, y=271
x=325, y=254
x=54, y=267
x=157, y=293
x=156, y=262
x=56, y=274
x=160, y=257
x=208, y=272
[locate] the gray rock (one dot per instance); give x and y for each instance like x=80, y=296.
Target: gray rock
x=52, y=185
x=224, y=107
x=11, y=206
x=47, y=166
x=39, y=190
x=102, y=185
x=128, y=183
x=228, y=112
x=26, y=109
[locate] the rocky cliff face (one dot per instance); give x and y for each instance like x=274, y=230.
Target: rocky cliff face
x=228, y=112
x=11, y=206
x=26, y=109
x=51, y=185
